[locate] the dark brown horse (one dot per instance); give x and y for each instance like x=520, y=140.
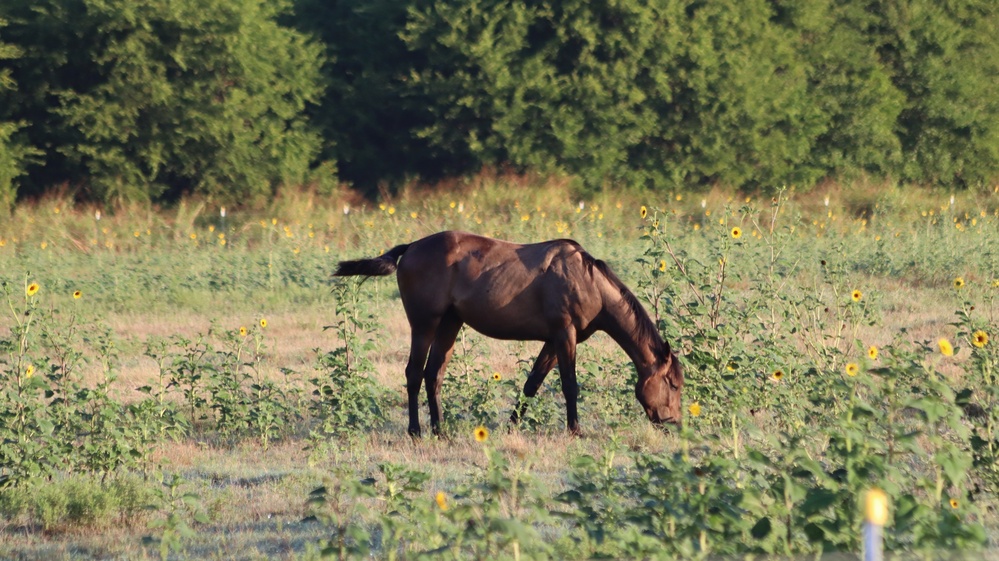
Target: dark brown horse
x=553, y=292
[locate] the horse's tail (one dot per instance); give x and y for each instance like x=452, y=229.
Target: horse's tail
x=377, y=267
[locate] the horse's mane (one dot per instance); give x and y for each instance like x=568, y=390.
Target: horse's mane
x=645, y=329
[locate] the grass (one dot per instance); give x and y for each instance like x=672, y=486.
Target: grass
x=153, y=274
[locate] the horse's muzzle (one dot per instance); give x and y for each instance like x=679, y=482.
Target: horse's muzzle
x=664, y=419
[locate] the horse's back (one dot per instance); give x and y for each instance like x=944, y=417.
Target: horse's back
x=501, y=289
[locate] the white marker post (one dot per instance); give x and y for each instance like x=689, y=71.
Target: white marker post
x=875, y=518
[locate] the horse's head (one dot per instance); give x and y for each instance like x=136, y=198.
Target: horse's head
x=659, y=391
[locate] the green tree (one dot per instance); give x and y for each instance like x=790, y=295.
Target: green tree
x=370, y=111
x=944, y=56
x=661, y=92
x=13, y=153
x=157, y=97
x=847, y=82
x=742, y=112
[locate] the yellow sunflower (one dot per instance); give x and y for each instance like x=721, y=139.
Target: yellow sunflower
x=954, y=503
x=856, y=295
x=662, y=265
x=777, y=375
x=481, y=434
x=958, y=282
x=980, y=339
x=946, y=348
x=77, y=295
x=29, y=371
x=872, y=352
x=32, y=289
x=644, y=211
x=694, y=409
x=852, y=369
x=736, y=232
x=441, y=499
x=242, y=331
x=497, y=377
x=263, y=323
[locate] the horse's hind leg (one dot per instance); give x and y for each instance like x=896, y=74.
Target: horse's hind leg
x=440, y=355
x=422, y=337
x=542, y=366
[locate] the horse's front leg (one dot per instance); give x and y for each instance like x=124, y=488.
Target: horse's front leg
x=542, y=366
x=440, y=355
x=565, y=349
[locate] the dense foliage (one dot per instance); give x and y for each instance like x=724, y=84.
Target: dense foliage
x=134, y=102
x=232, y=100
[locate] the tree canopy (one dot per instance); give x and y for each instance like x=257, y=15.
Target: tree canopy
x=232, y=99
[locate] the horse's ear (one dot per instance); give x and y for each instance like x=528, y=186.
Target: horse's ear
x=675, y=370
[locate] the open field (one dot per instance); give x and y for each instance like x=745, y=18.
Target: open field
x=190, y=400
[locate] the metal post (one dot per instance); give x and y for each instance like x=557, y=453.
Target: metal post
x=875, y=518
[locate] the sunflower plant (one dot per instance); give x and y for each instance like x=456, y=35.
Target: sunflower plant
x=347, y=400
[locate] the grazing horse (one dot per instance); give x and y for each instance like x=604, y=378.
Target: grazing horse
x=552, y=292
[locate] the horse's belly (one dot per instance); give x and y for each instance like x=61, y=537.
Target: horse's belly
x=505, y=322
x=510, y=332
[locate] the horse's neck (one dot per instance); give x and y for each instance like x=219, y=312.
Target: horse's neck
x=622, y=326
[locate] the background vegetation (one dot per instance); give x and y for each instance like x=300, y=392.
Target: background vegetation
x=185, y=384
x=232, y=100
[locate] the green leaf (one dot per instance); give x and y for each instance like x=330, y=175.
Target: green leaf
x=761, y=529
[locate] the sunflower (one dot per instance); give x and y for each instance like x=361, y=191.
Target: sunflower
x=958, y=282
x=954, y=503
x=946, y=348
x=441, y=499
x=643, y=211
x=242, y=331
x=777, y=375
x=77, y=295
x=481, y=434
x=694, y=409
x=852, y=369
x=872, y=352
x=29, y=371
x=32, y=289
x=856, y=295
x=736, y=232
x=497, y=377
x=980, y=339
x=662, y=265
x=263, y=323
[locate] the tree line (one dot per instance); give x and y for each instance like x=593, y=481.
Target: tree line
x=230, y=99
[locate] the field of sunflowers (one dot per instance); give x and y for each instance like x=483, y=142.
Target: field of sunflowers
x=191, y=382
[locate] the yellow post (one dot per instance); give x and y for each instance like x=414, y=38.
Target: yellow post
x=875, y=518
